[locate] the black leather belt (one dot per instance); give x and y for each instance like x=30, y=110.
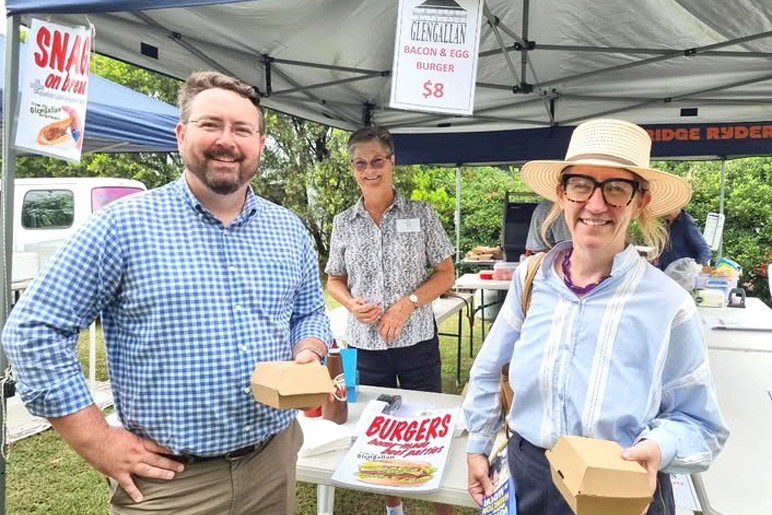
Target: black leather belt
x=187, y=459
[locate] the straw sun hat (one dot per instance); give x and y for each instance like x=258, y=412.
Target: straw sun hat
x=613, y=144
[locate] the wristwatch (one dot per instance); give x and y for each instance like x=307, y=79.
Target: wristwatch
x=413, y=298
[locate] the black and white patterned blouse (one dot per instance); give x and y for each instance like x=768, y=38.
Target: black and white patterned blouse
x=384, y=264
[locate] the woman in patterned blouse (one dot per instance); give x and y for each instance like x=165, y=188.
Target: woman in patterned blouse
x=389, y=259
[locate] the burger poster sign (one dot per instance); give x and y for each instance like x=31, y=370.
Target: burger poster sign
x=396, y=454
x=54, y=90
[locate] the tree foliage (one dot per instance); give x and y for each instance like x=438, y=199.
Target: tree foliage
x=305, y=170
x=483, y=190
x=747, y=234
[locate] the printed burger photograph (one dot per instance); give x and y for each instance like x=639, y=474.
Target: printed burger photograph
x=394, y=472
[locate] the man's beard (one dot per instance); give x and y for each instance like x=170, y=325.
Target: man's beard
x=222, y=184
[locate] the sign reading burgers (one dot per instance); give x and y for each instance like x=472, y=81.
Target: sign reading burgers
x=394, y=454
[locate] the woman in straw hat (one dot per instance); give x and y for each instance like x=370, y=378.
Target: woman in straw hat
x=610, y=348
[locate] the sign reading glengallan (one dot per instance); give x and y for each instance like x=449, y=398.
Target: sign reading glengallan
x=54, y=90
x=435, y=55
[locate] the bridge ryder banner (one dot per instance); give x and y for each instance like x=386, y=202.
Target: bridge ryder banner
x=54, y=90
x=394, y=454
x=669, y=141
x=435, y=56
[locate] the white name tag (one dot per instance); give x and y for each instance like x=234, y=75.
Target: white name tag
x=408, y=225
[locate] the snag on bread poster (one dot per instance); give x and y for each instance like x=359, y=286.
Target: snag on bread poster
x=396, y=454
x=54, y=90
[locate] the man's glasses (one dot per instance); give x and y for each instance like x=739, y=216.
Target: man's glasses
x=360, y=165
x=615, y=192
x=215, y=126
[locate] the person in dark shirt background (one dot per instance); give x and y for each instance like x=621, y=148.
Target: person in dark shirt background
x=686, y=240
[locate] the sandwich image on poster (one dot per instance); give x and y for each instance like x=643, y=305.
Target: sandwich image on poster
x=56, y=133
x=393, y=454
x=395, y=472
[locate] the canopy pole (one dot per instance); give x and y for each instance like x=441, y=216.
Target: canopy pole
x=457, y=217
x=721, y=205
x=6, y=213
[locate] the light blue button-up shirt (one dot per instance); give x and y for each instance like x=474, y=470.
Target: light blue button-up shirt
x=624, y=362
x=188, y=307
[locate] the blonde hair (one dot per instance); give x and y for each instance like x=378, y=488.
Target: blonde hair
x=653, y=234
x=652, y=230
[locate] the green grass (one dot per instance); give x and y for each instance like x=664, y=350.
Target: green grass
x=44, y=476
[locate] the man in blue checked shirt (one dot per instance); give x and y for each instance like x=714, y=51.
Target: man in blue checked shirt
x=195, y=282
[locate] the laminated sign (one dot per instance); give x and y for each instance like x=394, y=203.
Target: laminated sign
x=394, y=454
x=435, y=56
x=54, y=90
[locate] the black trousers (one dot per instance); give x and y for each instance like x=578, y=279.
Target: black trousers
x=537, y=495
x=411, y=368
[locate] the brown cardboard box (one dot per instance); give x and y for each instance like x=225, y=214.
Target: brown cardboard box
x=595, y=480
x=286, y=384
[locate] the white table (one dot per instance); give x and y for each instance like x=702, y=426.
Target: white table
x=472, y=282
x=740, y=340
x=480, y=262
x=443, y=307
x=318, y=469
x=739, y=482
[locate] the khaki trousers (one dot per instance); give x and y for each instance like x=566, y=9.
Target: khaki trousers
x=261, y=483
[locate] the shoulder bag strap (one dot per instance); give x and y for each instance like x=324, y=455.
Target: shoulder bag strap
x=533, y=267
x=507, y=395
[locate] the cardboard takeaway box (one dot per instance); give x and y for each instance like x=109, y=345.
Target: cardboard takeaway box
x=595, y=480
x=286, y=384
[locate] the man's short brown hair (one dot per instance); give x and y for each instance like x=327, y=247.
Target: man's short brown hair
x=201, y=81
x=372, y=133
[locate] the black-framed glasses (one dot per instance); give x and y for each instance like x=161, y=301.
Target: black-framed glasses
x=216, y=126
x=616, y=192
x=360, y=165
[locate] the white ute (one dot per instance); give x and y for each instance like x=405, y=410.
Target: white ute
x=47, y=211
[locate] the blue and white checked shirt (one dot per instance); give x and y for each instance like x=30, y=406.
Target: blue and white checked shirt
x=627, y=361
x=188, y=308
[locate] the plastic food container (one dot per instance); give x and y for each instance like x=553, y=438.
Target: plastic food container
x=486, y=274
x=710, y=298
x=504, y=271
x=724, y=284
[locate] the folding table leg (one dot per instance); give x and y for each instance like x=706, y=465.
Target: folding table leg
x=470, y=317
x=482, y=314
x=325, y=499
x=458, y=351
x=702, y=496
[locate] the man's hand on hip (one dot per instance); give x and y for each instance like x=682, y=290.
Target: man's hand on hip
x=114, y=451
x=124, y=453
